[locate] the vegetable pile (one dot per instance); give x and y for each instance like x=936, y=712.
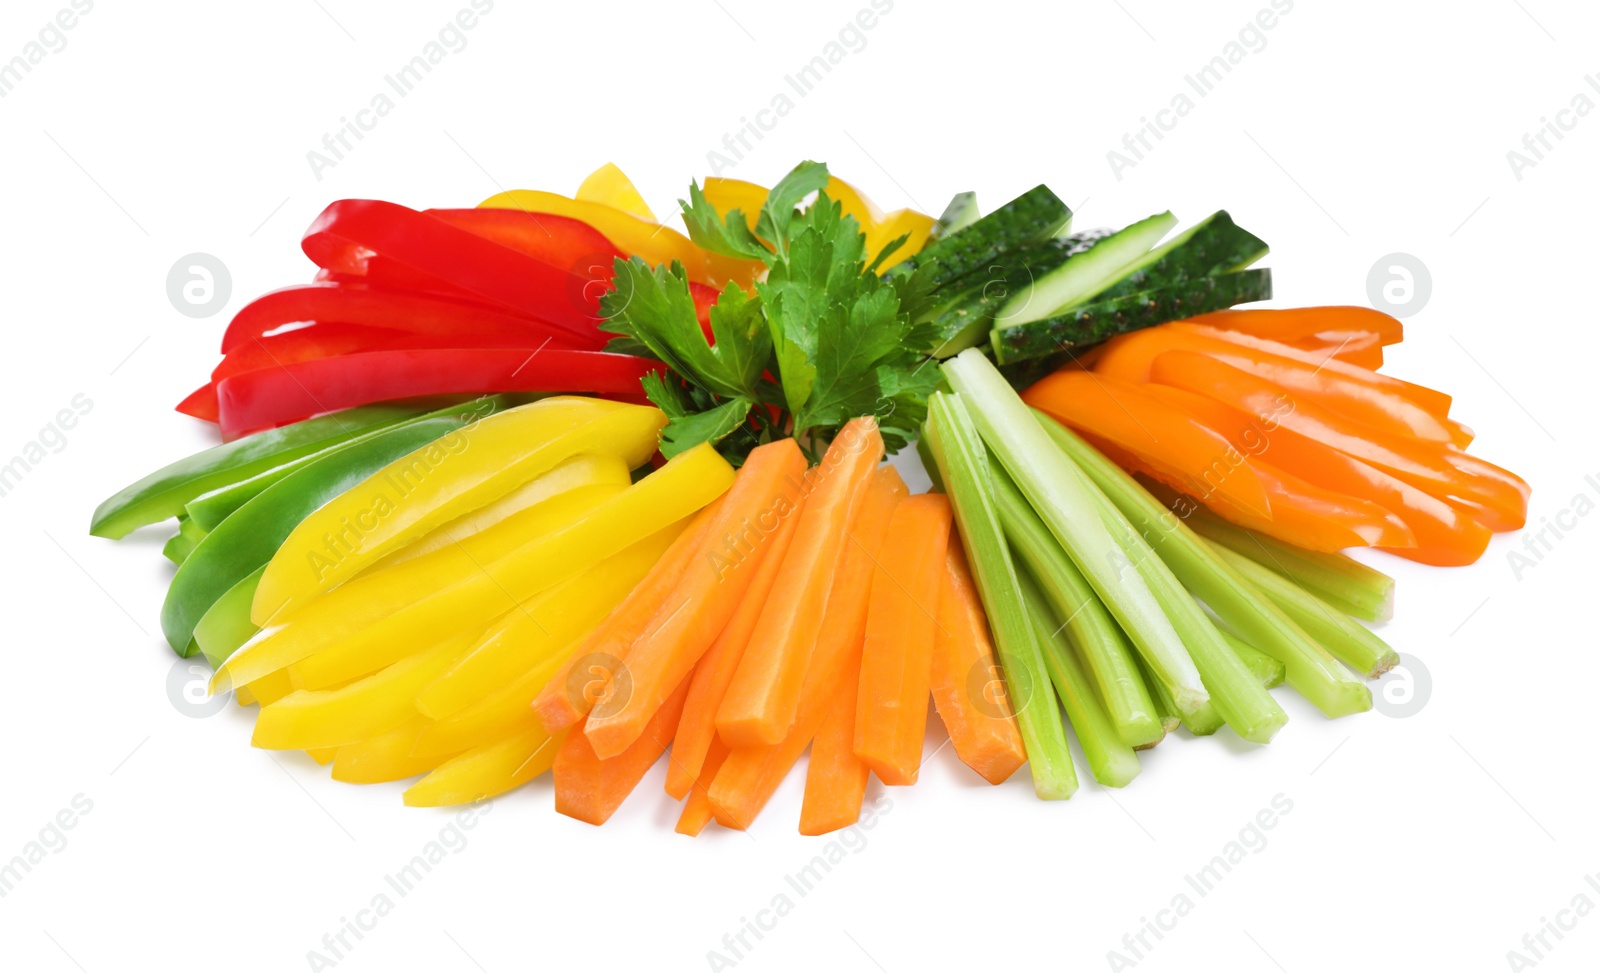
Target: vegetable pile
x=422, y=556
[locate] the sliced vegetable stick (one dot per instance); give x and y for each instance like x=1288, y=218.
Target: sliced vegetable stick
x=591, y=789
x=897, y=651
x=1361, y=348
x=698, y=726
x=836, y=779
x=705, y=598
x=697, y=809
x=494, y=716
x=762, y=700
x=982, y=729
x=387, y=756
x=322, y=755
x=1109, y=408
x=749, y=777
x=487, y=771
x=1500, y=498
x=1389, y=411
x=1445, y=534
x=557, y=705
x=1288, y=324
x=527, y=636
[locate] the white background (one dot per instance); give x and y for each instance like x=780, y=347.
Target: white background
x=1360, y=129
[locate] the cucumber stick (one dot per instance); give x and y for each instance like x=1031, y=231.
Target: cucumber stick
x=1036, y=215
x=1310, y=669
x=960, y=213
x=962, y=465
x=1076, y=608
x=1063, y=499
x=1111, y=760
x=1215, y=245
x=1090, y=273
x=1091, y=323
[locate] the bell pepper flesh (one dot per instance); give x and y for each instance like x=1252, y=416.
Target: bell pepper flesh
x=226, y=624
x=609, y=186
x=244, y=542
x=442, y=592
x=487, y=771
x=548, y=623
x=429, y=488
x=385, y=757
x=163, y=493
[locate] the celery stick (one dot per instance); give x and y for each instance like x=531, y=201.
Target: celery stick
x=963, y=469
x=1338, y=579
x=1078, y=609
x=1062, y=497
x=1257, y=619
x=1112, y=761
x=1158, y=694
x=1349, y=641
x=1264, y=667
x=1235, y=692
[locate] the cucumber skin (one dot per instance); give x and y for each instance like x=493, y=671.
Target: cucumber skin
x=1092, y=323
x=1217, y=246
x=1035, y=215
x=965, y=320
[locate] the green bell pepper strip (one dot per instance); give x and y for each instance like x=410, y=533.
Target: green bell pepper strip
x=248, y=539
x=226, y=624
x=210, y=509
x=180, y=545
x=163, y=493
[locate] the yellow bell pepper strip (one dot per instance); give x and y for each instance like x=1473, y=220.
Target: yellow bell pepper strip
x=328, y=635
x=488, y=770
x=609, y=186
x=747, y=197
x=441, y=481
x=654, y=243
x=269, y=688
x=542, y=628
x=446, y=592
x=323, y=755
x=361, y=655
x=386, y=757
x=583, y=470
x=367, y=707
x=505, y=711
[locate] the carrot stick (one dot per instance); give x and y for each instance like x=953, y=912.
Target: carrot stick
x=697, y=809
x=761, y=702
x=558, y=705
x=698, y=727
x=982, y=728
x=750, y=775
x=712, y=585
x=836, y=779
x=591, y=789
x=1290, y=324
x=897, y=652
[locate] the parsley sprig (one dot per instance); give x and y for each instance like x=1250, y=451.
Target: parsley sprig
x=823, y=340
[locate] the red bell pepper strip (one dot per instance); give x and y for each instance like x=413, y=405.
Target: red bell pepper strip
x=273, y=396
x=362, y=235
x=379, y=307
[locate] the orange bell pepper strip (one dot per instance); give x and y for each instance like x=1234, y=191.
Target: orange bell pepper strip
x=755, y=773
x=1120, y=412
x=697, y=809
x=1390, y=411
x=561, y=703
x=897, y=652
x=1335, y=383
x=707, y=595
x=654, y=243
x=591, y=789
x=1296, y=323
x=1494, y=496
x=982, y=728
x=1445, y=534
x=1363, y=349
x=760, y=704
x=697, y=729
